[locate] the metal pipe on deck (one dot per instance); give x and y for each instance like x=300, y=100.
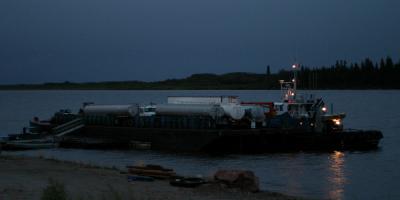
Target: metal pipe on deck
x=127, y=110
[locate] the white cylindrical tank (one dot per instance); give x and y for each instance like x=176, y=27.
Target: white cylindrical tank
x=234, y=111
x=129, y=110
x=192, y=109
x=257, y=113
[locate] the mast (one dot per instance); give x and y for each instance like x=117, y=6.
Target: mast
x=289, y=88
x=295, y=68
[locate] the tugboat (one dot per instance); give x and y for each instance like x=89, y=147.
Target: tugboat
x=212, y=124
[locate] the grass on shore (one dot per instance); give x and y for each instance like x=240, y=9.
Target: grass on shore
x=54, y=191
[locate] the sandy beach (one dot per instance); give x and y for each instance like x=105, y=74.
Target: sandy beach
x=26, y=178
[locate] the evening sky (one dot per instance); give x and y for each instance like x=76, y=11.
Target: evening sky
x=104, y=40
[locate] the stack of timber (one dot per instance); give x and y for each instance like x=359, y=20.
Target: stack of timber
x=154, y=171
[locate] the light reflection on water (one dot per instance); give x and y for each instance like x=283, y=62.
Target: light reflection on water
x=337, y=177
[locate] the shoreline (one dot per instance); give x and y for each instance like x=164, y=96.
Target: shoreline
x=27, y=177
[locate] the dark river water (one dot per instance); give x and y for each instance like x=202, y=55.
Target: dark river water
x=335, y=175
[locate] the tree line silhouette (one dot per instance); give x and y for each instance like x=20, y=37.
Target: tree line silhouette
x=342, y=75
x=364, y=75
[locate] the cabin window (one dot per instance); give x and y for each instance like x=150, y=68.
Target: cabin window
x=150, y=110
x=279, y=107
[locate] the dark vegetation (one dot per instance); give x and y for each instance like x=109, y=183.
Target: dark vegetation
x=364, y=75
x=54, y=191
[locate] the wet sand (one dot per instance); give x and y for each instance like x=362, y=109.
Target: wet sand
x=26, y=178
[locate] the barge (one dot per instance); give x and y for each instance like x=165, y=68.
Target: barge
x=208, y=124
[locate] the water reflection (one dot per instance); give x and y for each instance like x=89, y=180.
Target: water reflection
x=337, y=179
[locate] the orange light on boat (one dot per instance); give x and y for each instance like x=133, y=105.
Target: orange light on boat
x=337, y=121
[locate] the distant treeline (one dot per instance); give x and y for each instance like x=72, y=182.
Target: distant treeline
x=364, y=75
x=342, y=75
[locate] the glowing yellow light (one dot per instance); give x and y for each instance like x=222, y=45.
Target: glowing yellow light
x=324, y=109
x=294, y=66
x=336, y=121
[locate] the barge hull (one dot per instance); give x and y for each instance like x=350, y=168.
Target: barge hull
x=222, y=140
